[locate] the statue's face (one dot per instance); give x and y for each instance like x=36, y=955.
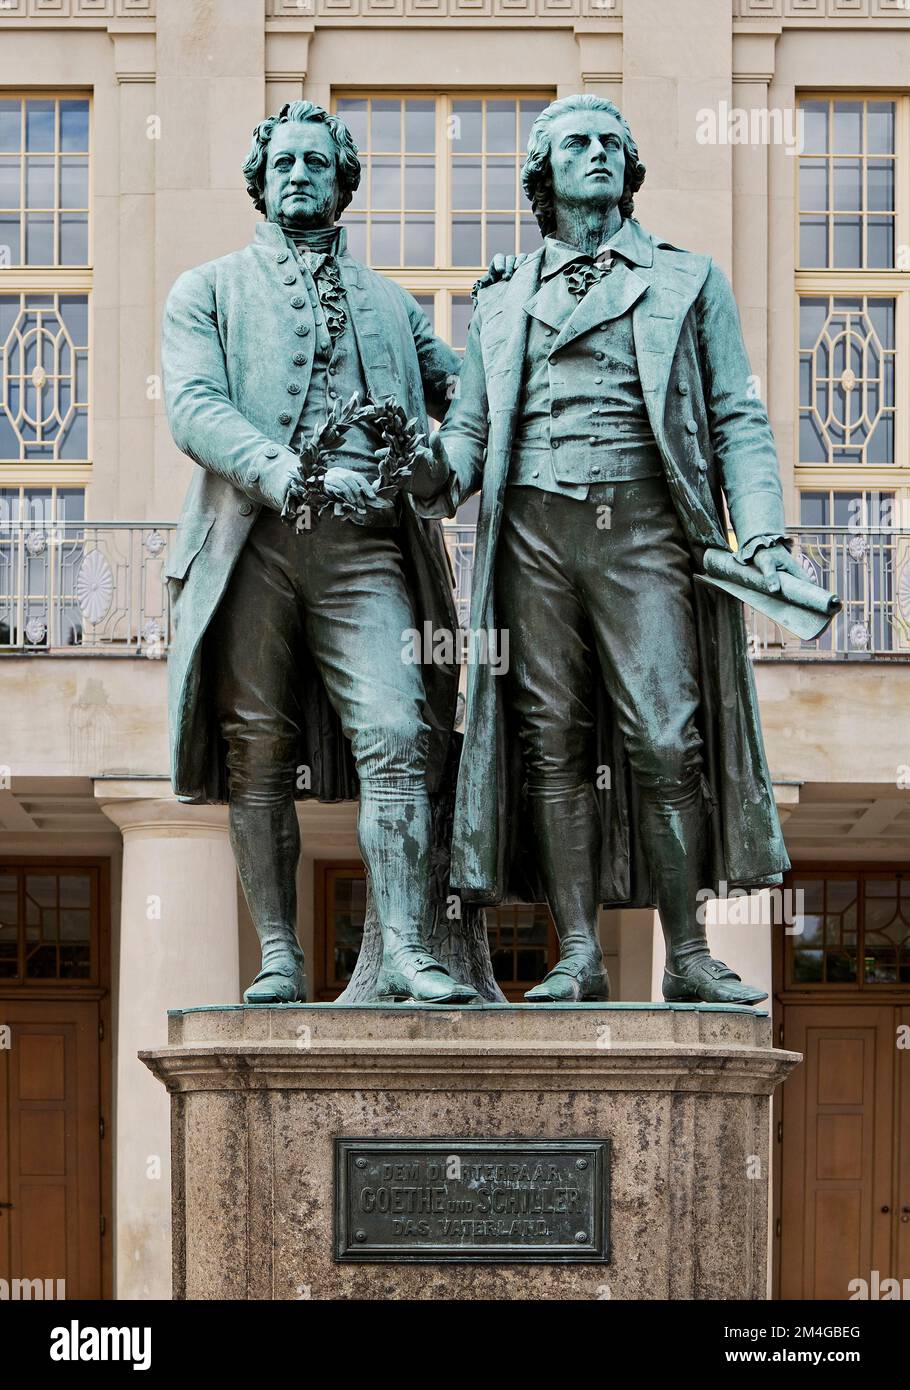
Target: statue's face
x=301, y=175
x=587, y=160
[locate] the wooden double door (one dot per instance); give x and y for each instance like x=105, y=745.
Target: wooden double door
x=844, y=1148
x=55, y=1070
x=50, y=1144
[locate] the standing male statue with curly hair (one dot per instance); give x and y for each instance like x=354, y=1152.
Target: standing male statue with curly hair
x=286, y=670
x=605, y=413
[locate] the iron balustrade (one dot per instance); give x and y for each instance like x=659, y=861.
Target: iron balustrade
x=98, y=587
x=869, y=568
x=85, y=586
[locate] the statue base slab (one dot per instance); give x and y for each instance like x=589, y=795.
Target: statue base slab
x=260, y=1094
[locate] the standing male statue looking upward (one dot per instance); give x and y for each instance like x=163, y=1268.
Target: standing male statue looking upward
x=286, y=670
x=605, y=415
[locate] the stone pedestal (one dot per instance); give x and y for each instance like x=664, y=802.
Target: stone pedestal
x=259, y=1095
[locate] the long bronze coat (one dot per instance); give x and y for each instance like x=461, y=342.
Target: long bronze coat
x=715, y=442
x=238, y=333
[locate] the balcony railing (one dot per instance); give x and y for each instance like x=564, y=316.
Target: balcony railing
x=81, y=586
x=98, y=587
x=870, y=569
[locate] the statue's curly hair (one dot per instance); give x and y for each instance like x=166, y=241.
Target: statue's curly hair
x=347, y=163
x=536, y=176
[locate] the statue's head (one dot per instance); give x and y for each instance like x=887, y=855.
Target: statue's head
x=302, y=169
x=581, y=151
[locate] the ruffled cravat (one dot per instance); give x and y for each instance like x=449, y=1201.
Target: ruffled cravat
x=581, y=275
x=316, y=249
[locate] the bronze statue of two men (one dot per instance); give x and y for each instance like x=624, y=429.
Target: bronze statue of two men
x=603, y=413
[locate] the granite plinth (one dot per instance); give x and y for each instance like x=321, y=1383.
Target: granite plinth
x=259, y=1094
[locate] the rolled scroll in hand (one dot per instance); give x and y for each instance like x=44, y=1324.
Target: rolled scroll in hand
x=801, y=606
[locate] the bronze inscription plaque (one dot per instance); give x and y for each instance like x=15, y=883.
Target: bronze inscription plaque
x=473, y=1200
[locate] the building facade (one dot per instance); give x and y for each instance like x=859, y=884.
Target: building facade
x=776, y=134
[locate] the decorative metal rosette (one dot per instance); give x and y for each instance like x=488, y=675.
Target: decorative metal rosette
x=36, y=630
x=154, y=543
x=153, y=639
x=94, y=586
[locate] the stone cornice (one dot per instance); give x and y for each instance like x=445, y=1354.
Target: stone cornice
x=134, y=52
x=754, y=53
x=82, y=14
x=620, y=1047
x=470, y=1066
x=300, y=16
x=600, y=52
x=833, y=12
x=287, y=51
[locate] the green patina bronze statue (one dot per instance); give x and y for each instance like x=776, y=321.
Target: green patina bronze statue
x=286, y=674
x=606, y=417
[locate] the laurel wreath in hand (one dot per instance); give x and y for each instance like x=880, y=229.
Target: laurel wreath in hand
x=401, y=442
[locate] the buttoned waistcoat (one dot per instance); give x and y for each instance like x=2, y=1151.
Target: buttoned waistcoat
x=583, y=419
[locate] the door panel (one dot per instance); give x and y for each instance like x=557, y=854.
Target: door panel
x=902, y=1122
x=50, y=1108
x=836, y=1160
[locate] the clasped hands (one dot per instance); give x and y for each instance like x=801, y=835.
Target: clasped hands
x=428, y=477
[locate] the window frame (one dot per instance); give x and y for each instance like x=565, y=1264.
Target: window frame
x=325, y=988
x=59, y=94
x=901, y=137
x=57, y=865
x=515, y=989
x=857, y=989
x=856, y=281
x=442, y=275
x=58, y=280
x=443, y=292
x=57, y=472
